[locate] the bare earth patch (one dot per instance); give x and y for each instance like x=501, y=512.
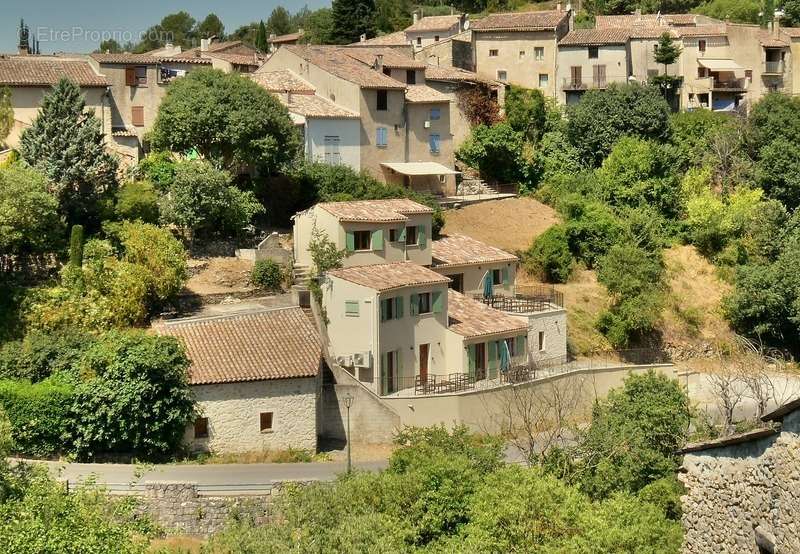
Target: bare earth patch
x=219, y=276
x=510, y=224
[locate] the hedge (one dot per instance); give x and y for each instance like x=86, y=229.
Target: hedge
x=39, y=415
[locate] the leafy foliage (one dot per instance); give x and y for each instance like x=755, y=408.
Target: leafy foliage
x=526, y=112
x=228, y=119
x=497, y=152
x=6, y=114
x=549, y=257
x=66, y=143
x=351, y=19
x=40, y=355
x=478, y=106
x=137, y=201
x=739, y=11
x=268, y=274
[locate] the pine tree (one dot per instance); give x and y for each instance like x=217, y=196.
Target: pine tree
x=66, y=143
x=351, y=19
x=666, y=51
x=261, y=37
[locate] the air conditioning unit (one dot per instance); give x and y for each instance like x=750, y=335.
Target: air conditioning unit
x=427, y=124
x=362, y=359
x=344, y=361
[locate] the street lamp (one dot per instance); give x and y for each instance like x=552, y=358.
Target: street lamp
x=348, y=402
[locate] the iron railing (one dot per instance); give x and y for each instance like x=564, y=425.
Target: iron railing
x=528, y=299
x=728, y=84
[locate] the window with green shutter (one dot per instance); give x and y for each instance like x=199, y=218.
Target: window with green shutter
x=398, y=307
x=421, y=239
x=471, y=360
x=351, y=241
x=520, y=349
x=505, y=276
x=377, y=239
x=351, y=308
x=438, y=302
x=493, y=356
x=414, y=304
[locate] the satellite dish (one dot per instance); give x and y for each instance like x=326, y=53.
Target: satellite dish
x=466, y=24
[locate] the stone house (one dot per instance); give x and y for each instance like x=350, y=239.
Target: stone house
x=520, y=48
x=591, y=59
x=396, y=313
x=256, y=379
x=276, y=41
x=741, y=491
x=425, y=31
x=405, y=133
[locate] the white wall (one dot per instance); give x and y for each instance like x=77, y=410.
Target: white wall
x=554, y=325
x=473, y=277
x=349, y=133
x=233, y=411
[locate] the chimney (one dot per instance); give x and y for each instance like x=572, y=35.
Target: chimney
x=288, y=95
x=558, y=6
x=415, y=16
x=23, y=50
x=363, y=38
x=776, y=22
x=378, y=62
x=204, y=44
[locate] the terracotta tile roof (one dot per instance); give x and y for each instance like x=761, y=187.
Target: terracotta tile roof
x=271, y=344
x=701, y=31
x=283, y=80
x=458, y=250
x=423, y=94
x=185, y=57
x=434, y=23
x=521, y=21
x=254, y=59
x=375, y=211
x=792, y=32
x=386, y=277
x=471, y=319
x=626, y=21
x=24, y=71
x=637, y=32
x=289, y=37
x=680, y=18
x=392, y=39
x=772, y=42
x=589, y=37
x=390, y=57
x=313, y=106
x=443, y=73
x=335, y=61
x=123, y=132
x=126, y=58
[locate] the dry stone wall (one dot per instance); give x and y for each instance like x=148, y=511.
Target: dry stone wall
x=745, y=495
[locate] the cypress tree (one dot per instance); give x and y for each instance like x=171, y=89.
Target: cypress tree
x=66, y=143
x=351, y=19
x=76, y=246
x=261, y=37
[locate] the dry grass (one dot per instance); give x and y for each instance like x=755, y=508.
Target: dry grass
x=259, y=457
x=177, y=544
x=219, y=276
x=510, y=224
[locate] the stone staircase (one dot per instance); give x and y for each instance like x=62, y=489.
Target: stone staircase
x=472, y=186
x=300, y=274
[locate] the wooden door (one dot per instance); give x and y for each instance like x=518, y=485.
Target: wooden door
x=424, y=350
x=390, y=372
x=480, y=361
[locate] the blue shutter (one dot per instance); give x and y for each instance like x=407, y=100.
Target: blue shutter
x=384, y=309
x=493, y=358
x=520, y=347
x=505, y=276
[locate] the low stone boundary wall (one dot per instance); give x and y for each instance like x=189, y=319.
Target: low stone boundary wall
x=190, y=509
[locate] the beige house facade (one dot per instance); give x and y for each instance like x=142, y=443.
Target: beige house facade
x=520, y=48
x=256, y=379
x=591, y=59
x=426, y=31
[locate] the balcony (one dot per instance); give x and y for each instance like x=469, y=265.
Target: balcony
x=580, y=84
x=528, y=300
x=772, y=68
x=728, y=85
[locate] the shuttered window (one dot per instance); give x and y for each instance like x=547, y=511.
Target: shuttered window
x=381, y=136
x=434, y=141
x=332, y=155
x=575, y=75
x=411, y=77
x=130, y=76
x=351, y=308
x=599, y=75
x=137, y=116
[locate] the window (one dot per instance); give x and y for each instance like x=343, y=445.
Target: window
x=502, y=75
x=538, y=53
x=411, y=77
x=599, y=75
x=521, y=54
x=137, y=116
x=497, y=277
x=701, y=45
x=457, y=282
x=266, y=422
x=351, y=308
x=411, y=235
x=332, y=155
x=136, y=76
x=387, y=71
x=201, y=428
x=419, y=41
x=436, y=38
x=361, y=240
x=594, y=52
x=493, y=53
x=748, y=74
x=392, y=308
x=394, y=235
x=433, y=142
x=541, y=341
x=576, y=77
x=544, y=79
x=701, y=72
x=381, y=136
x=511, y=344
x=423, y=303
x=382, y=101
x=436, y=114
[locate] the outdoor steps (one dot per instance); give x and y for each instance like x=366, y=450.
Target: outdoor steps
x=476, y=186
x=300, y=274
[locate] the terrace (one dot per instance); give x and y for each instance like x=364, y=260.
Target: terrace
x=528, y=299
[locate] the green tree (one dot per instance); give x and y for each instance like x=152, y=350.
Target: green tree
x=603, y=116
x=40, y=355
x=137, y=200
x=175, y=28
x=138, y=401
x=203, y=201
x=738, y=11
x=549, y=257
x=775, y=116
x=109, y=46
x=633, y=436
x=497, y=152
x=666, y=52
x=592, y=229
x=279, y=21
x=691, y=134
x=66, y=143
x=211, y=26
x=319, y=27
x=526, y=112
x=227, y=118
x=351, y=19
x=30, y=224
x=778, y=171
x=791, y=13
x=76, y=246
x=158, y=168
x=6, y=114
x=392, y=15
x=261, y=37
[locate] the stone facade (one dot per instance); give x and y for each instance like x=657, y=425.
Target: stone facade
x=233, y=411
x=742, y=494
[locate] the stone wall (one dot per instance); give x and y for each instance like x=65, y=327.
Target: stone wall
x=740, y=493
x=183, y=508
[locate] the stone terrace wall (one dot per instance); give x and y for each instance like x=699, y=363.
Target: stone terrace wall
x=737, y=492
x=180, y=507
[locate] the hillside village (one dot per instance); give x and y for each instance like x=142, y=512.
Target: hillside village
x=543, y=253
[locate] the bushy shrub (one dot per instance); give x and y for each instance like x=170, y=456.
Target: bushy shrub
x=549, y=257
x=498, y=153
x=158, y=168
x=40, y=415
x=137, y=200
x=40, y=355
x=134, y=398
x=691, y=133
x=268, y=274
x=526, y=111
x=592, y=228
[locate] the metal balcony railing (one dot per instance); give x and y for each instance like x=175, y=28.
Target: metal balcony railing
x=728, y=84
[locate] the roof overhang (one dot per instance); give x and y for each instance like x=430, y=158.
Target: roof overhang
x=720, y=64
x=419, y=168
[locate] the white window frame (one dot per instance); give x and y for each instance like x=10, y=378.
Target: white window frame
x=502, y=79
x=382, y=131
x=332, y=154
x=546, y=78
x=538, y=53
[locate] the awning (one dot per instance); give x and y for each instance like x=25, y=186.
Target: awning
x=419, y=168
x=720, y=65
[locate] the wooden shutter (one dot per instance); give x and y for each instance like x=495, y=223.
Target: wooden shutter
x=384, y=309
x=398, y=307
x=471, y=360
x=599, y=75
x=505, y=273
x=377, y=239
x=351, y=241
x=421, y=241
x=130, y=76
x=137, y=116
x=437, y=302
x=414, y=310
x=575, y=74
x=201, y=428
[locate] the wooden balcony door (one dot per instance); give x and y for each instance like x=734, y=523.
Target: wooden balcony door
x=480, y=361
x=424, y=352
x=599, y=75
x=575, y=76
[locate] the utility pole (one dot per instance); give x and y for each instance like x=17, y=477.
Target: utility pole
x=348, y=402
